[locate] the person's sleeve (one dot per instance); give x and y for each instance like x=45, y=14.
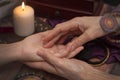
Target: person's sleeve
x=116, y=12
x=117, y=9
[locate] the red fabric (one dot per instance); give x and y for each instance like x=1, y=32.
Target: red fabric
x=6, y=29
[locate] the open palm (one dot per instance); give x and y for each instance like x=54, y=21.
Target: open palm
x=32, y=44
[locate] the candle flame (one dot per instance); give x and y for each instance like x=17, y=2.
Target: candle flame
x=23, y=5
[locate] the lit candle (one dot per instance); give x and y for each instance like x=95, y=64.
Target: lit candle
x=23, y=20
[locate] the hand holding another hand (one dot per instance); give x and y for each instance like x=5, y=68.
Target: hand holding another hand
x=88, y=28
x=71, y=69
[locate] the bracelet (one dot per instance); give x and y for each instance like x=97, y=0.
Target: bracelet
x=112, y=40
x=29, y=76
x=26, y=73
x=86, y=54
x=104, y=60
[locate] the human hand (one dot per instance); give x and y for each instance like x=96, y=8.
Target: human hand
x=71, y=69
x=34, y=43
x=88, y=28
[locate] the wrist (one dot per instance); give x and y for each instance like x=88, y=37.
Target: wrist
x=9, y=52
x=16, y=50
x=109, y=23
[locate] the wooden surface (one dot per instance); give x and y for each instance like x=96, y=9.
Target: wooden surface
x=66, y=9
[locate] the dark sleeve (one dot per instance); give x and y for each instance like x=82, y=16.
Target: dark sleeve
x=117, y=9
x=112, y=2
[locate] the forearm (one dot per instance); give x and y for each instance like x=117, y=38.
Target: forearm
x=9, y=52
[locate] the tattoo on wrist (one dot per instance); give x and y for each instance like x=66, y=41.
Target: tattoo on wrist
x=109, y=23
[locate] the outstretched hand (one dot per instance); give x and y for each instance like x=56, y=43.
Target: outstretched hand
x=87, y=29
x=34, y=43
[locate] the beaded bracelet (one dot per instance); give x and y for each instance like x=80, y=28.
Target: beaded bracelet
x=117, y=16
x=112, y=40
x=29, y=76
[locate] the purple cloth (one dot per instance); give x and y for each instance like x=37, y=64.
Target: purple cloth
x=98, y=51
x=114, y=50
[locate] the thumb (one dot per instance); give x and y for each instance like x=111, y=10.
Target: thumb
x=49, y=57
x=77, y=42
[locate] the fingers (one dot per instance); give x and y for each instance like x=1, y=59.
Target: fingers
x=59, y=30
x=66, y=53
x=43, y=34
x=53, y=34
x=77, y=42
x=62, y=53
x=48, y=57
x=53, y=41
x=75, y=52
x=62, y=39
x=42, y=65
x=67, y=36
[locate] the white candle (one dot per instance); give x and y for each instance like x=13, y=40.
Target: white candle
x=23, y=20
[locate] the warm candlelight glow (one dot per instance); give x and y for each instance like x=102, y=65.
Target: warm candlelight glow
x=23, y=6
